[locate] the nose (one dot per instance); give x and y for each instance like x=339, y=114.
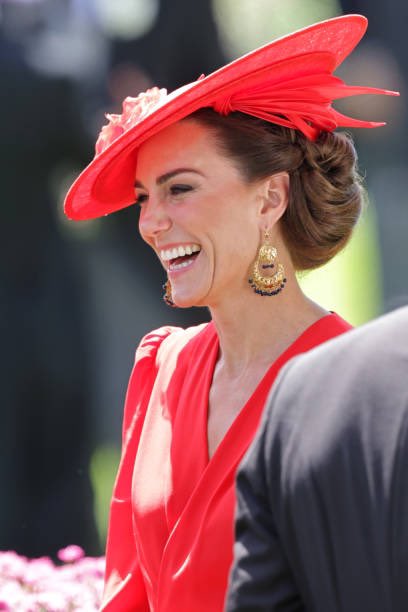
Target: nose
x=153, y=219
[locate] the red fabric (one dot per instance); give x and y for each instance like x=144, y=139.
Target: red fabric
x=171, y=525
x=297, y=93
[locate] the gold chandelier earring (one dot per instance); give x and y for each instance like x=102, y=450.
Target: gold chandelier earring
x=167, y=297
x=267, y=275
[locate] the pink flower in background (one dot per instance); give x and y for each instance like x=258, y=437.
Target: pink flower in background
x=37, y=570
x=134, y=110
x=38, y=585
x=12, y=565
x=70, y=553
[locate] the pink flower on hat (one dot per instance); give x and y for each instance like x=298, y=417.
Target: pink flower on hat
x=134, y=110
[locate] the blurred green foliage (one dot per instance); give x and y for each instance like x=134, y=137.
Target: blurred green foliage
x=350, y=284
x=104, y=464
x=246, y=24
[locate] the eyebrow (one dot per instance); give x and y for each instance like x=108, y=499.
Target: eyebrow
x=168, y=175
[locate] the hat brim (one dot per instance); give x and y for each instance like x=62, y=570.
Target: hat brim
x=106, y=184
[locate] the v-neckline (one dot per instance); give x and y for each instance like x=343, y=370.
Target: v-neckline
x=196, y=477
x=270, y=373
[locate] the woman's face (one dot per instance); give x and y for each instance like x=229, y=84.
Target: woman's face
x=197, y=213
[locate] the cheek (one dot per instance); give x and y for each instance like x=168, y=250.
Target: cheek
x=235, y=250
x=240, y=255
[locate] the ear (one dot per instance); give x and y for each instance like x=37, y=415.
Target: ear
x=274, y=198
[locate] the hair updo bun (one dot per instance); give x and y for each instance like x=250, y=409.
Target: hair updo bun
x=325, y=200
x=326, y=194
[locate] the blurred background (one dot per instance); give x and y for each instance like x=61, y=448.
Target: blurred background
x=75, y=298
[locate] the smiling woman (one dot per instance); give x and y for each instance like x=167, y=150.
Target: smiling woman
x=241, y=181
x=195, y=196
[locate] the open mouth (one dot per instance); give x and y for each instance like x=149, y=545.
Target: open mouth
x=181, y=256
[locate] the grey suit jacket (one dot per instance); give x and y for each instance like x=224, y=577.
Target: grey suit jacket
x=322, y=519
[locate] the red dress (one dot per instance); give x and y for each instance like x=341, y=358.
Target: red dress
x=170, y=534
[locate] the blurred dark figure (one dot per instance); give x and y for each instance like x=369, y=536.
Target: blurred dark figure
x=74, y=303
x=181, y=45
x=387, y=23
x=383, y=56
x=45, y=437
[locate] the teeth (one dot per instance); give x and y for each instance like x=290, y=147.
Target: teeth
x=182, y=264
x=168, y=254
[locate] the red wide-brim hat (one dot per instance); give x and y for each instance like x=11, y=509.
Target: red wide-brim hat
x=288, y=82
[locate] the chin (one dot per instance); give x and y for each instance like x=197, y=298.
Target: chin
x=188, y=300
x=189, y=294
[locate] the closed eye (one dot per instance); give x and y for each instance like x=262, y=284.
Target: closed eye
x=142, y=197
x=178, y=189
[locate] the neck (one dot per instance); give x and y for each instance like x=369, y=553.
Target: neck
x=255, y=329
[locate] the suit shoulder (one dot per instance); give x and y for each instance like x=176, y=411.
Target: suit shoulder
x=366, y=349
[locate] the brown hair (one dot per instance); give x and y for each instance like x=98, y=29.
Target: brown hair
x=326, y=195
